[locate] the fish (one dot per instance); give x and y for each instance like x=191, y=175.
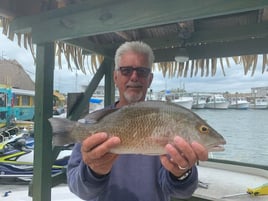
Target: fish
x=144, y=128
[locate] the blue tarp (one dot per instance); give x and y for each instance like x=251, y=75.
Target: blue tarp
x=168, y=91
x=95, y=100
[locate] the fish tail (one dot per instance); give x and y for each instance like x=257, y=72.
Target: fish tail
x=61, y=130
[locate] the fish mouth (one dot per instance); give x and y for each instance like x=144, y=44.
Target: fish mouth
x=217, y=147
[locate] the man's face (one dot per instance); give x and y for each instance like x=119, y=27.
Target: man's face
x=132, y=84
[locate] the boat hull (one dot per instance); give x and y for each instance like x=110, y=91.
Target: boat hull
x=184, y=102
x=259, y=106
x=217, y=105
x=239, y=106
x=199, y=104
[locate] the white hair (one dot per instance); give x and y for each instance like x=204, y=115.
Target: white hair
x=135, y=46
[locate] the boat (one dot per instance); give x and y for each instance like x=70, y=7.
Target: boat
x=216, y=101
x=259, y=103
x=238, y=103
x=199, y=102
x=184, y=101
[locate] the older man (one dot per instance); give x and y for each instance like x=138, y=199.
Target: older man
x=96, y=174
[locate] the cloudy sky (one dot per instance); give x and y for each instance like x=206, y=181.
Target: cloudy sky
x=71, y=81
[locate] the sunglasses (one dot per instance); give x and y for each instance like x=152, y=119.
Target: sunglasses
x=141, y=71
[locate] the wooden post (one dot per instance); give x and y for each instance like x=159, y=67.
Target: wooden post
x=109, y=89
x=41, y=188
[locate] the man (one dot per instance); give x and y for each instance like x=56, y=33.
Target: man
x=96, y=174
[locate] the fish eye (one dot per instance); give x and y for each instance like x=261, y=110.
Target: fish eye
x=204, y=129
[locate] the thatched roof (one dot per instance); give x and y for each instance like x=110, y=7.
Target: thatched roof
x=12, y=74
x=209, y=39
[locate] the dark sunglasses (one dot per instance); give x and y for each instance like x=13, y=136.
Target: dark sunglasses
x=141, y=71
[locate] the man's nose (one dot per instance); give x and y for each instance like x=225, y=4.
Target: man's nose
x=134, y=76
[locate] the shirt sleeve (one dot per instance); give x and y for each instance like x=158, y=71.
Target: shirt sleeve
x=181, y=189
x=80, y=179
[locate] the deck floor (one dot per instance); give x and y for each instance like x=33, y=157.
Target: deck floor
x=222, y=181
x=20, y=193
x=230, y=184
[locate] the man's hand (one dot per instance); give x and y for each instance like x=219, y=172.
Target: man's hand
x=181, y=156
x=96, y=152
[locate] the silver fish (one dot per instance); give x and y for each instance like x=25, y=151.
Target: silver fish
x=143, y=128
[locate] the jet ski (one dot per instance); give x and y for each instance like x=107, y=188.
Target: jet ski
x=17, y=153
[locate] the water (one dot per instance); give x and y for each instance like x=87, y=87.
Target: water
x=246, y=133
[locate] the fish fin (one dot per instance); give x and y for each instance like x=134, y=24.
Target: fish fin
x=95, y=116
x=61, y=129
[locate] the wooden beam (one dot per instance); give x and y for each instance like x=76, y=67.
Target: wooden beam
x=229, y=49
x=237, y=48
x=109, y=83
x=43, y=111
x=228, y=34
x=125, y=15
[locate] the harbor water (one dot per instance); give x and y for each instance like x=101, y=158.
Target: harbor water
x=246, y=133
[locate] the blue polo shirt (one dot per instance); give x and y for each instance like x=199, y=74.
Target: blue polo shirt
x=132, y=178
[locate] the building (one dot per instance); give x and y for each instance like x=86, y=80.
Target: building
x=259, y=91
x=13, y=74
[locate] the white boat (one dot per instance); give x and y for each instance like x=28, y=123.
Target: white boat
x=238, y=103
x=259, y=103
x=199, y=102
x=216, y=101
x=185, y=101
